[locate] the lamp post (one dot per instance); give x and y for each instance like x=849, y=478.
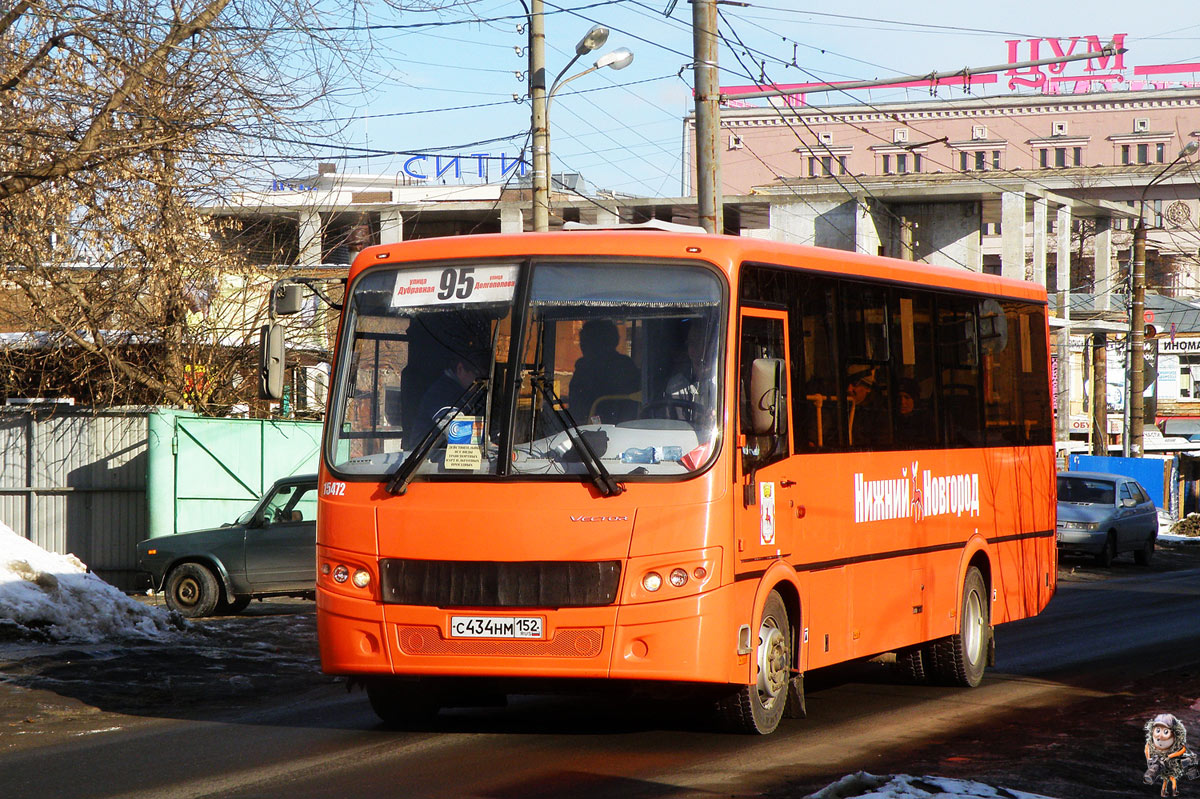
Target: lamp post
x=540, y=98
x=1137, y=311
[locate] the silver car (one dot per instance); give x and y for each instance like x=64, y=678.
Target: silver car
x=1104, y=515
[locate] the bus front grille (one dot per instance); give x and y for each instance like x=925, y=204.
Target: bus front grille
x=499, y=584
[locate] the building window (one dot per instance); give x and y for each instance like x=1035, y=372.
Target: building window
x=1043, y=156
x=1078, y=156
x=1058, y=129
x=887, y=164
x=1158, y=216
x=902, y=163
x=995, y=159
x=916, y=162
x=1124, y=153
x=735, y=142
x=1060, y=157
x=1160, y=152
x=842, y=164
x=1143, y=153
x=980, y=161
x=962, y=160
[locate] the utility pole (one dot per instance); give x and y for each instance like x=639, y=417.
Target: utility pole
x=539, y=124
x=1137, y=312
x=1137, y=340
x=708, y=115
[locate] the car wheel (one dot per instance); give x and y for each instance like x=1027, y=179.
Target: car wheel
x=961, y=658
x=1142, y=556
x=192, y=590
x=1107, y=555
x=758, y=707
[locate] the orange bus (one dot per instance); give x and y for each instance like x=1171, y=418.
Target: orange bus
x=638, y=459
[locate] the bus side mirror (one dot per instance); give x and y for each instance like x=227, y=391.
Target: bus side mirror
x=287, y=298
x=270, y=362
x=766, y=379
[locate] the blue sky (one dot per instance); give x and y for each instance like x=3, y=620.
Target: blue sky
x=446, y=85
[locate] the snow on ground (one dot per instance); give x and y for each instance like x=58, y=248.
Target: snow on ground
x=45, y=596
x=902, y=786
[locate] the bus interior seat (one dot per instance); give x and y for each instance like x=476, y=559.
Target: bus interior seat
x=616, y=408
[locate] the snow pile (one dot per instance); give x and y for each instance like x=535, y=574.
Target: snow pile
x=902, y=786
x=44, y=596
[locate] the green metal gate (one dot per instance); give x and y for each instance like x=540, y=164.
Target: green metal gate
x=205, y=471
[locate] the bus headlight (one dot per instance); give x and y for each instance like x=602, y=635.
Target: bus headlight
x=341, y=574
x=673, y=575
x=361, y=579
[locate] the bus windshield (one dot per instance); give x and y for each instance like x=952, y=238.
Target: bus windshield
x=613, y=362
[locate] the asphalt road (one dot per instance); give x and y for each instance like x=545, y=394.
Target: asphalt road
x=1110, y=648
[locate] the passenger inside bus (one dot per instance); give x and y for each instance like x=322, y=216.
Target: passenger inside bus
x=912, y=418
x=445, y=392
x=689, y=393
x=865, y=420
x=605, y=384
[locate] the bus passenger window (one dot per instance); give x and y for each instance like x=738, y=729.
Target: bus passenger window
x=914, y=370
x=866, y=353
x=815, y=343
x=958, y=365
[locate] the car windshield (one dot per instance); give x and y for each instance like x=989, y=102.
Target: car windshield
x=1086, y=491
x=621, y=358
x=287, y=502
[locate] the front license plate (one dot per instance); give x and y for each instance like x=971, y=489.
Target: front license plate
x=495, y=627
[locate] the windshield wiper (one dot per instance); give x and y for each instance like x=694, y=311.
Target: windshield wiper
x=605, y=483
x=403, y=475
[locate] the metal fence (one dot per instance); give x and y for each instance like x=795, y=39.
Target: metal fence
x=76, y=482
x=83, y=482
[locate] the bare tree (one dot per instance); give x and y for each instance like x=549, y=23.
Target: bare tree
x=120, y=118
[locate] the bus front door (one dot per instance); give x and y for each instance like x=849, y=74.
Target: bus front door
x=767, y=475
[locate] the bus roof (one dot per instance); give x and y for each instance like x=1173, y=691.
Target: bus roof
x=726, y=252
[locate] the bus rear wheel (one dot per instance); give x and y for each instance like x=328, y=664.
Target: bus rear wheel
x=402, y=703
x=758, y=707
x=912, y=663
x=961, y=658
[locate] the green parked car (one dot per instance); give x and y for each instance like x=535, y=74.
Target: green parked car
x=270, y=550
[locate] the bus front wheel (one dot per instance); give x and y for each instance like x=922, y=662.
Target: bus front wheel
x=402, y=703
x=960, y=659
x=757, y=708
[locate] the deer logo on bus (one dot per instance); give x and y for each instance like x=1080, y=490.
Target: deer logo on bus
x=916, y=506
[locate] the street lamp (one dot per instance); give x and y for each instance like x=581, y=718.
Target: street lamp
x=592, y=40
x=1137, y=311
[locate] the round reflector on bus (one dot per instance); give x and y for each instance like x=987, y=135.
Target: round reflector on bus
x=652, y=581
x=678, y=578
